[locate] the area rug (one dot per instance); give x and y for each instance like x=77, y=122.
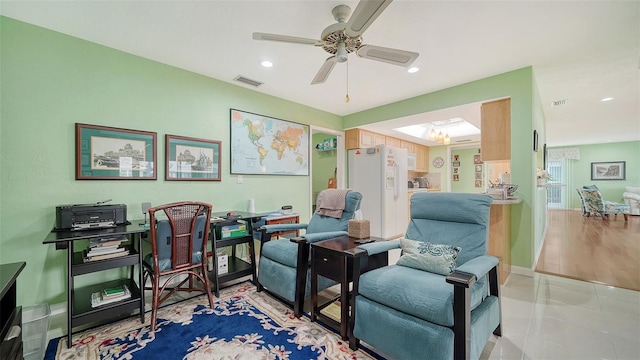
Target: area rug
x=244, y=324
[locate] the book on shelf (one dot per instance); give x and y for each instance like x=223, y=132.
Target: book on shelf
x=107, y=241
x=333, y=311
x=107, y=250
x=98, y=298
x=94, y=257
x=110, y=293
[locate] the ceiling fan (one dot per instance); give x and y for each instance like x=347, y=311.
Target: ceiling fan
x=345, y=37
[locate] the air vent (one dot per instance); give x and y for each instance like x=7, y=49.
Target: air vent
x=248, y=81
x=559, y=102
x=463, y=140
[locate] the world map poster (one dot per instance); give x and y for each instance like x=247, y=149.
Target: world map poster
x=268, y=146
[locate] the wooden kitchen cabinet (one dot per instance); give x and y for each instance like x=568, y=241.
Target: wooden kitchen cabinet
x=393, y=142
x=422, y=158
x=411, y=147
x=495, y=136
x=500, y=238
x=359, y=138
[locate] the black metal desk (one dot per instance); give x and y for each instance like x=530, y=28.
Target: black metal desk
x=237, y=266
x=79, y=309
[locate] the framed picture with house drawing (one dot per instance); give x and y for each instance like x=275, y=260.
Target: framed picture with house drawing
x=614, y=170
x=192, y=159
x=108, y=153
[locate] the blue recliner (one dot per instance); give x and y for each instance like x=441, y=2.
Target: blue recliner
x=427, y=315
x=284, y=268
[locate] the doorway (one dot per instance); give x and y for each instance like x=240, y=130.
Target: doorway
x=327, y=161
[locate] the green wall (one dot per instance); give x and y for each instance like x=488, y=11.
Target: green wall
x=324, y=163
x=611, y=189
x=51, y=81
x=466, y=171
x=520, y=87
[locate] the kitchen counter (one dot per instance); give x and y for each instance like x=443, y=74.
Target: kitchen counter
x=511, y=201
x=412, y=190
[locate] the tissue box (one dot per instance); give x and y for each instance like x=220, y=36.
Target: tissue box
x=359, y=229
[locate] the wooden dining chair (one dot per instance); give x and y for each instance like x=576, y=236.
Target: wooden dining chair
x=179, y=232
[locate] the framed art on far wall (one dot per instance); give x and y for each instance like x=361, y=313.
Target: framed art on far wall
x=614, y=170
x=108, y=153
x=192, y=159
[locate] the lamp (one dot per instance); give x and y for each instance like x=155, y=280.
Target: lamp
x=440, y=137
x=432, y=135
x=447, y=139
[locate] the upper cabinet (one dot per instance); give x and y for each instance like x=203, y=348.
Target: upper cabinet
x=422, y=158
x=393, y=142
x=495, y=134
x=359, y=138
x=411, y=147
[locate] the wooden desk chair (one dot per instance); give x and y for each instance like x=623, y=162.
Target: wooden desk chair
x=179, y=247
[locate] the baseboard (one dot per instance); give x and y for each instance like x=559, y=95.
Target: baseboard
x=522, y=271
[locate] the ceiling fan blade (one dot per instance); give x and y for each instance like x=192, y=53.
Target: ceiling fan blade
x=324, y=71
x=365, y=13
x=388, y=55
x=287, y=39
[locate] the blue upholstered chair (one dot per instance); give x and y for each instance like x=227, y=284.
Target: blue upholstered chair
x=178, y=247
x=593, y=203
x=284, y=268
x=413, y=310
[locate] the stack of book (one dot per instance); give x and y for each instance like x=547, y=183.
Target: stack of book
x=110, y=295
x=105, y=248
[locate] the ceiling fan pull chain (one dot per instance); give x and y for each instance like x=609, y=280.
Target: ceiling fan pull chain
x=346, y=99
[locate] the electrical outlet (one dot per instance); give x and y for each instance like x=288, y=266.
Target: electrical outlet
x=240, y=179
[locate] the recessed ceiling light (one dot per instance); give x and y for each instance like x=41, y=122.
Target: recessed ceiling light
x=606, y=99
x=267, y=63
x=412, y=70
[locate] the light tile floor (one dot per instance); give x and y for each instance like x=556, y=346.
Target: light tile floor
x=547, y=317
x=550, y=317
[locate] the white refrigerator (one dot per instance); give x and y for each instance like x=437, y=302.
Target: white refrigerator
x=380, y=175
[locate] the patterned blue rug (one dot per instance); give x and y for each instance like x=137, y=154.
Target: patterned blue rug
x=245, y=324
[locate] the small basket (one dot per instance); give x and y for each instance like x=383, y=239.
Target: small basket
x=359, y=229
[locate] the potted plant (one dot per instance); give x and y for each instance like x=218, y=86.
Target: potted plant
x=542, y=176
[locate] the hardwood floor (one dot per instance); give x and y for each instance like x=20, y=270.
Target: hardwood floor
x=592, y=249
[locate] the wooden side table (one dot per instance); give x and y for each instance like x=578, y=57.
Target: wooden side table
x=283, y=219
x=340, y=259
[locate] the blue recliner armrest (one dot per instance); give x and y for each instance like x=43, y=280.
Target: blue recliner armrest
x=311, y=238
x=380, y=246
x=282, y=227
x=479, y=266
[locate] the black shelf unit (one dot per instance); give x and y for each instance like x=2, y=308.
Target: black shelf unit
x=79, y=309
x=237, y=267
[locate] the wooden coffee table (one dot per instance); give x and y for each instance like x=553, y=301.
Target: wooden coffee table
x=341, y=260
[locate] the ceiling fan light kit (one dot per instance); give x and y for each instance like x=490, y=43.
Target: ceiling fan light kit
x=344, y=37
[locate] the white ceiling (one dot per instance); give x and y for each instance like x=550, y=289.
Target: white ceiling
x=581, y=51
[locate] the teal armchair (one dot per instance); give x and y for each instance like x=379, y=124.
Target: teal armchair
x=427, y=314
x=284, y=267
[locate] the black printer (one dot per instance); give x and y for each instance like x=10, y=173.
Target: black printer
x=90, y=216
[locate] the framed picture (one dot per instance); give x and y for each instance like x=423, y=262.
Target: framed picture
x=192, y=159
x=455, y=163
x=478, y=168
x=455, y=170
x=267, y=146
x=614, y=170
x=456, y=177
x=478, y=183
x=477, y=159
x=107, y=153
x=478, y=176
